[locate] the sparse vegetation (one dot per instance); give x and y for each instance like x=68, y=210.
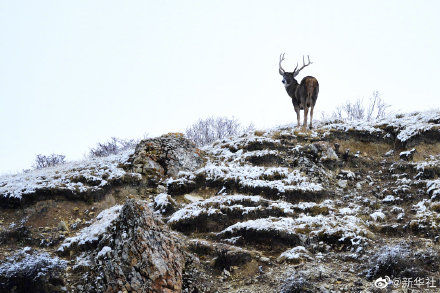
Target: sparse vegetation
x=42, y=161
x=259, y=132
x=401, y=261
x=372, y=109
x=296, y=284
x=208, y=130
x=112, y=147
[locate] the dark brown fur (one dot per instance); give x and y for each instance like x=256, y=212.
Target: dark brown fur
x=307, y=94
x=304, y=96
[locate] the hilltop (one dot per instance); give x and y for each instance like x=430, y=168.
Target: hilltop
x=277, y=210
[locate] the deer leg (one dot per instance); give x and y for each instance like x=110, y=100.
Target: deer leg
x=298, y=123
x=306, y=112
x=311, y=116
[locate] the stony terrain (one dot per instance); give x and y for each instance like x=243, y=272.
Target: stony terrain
x=334, y=209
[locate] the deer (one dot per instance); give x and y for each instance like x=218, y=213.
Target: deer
x=304, y=95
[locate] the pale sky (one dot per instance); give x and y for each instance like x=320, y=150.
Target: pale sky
x=73, y=73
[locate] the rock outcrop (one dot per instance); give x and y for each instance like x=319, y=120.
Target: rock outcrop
x=328, y=210
x=166, y=155
x=136, y=252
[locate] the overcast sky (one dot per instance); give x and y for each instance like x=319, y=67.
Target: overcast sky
x=73, y=73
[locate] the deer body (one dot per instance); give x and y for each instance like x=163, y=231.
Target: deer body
x=304, y=95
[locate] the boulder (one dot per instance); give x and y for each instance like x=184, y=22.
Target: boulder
x=137, y=253
x=165, y=155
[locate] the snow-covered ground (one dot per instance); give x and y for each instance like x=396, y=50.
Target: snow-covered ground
x=343, y=228
x=77, y=177
x=405, y=126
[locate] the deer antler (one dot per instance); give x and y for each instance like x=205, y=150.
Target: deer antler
x=295, y=72
x=281, y=70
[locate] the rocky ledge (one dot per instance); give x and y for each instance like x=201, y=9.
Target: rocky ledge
x=328, y=210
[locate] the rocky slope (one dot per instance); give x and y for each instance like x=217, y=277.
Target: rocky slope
x=328, y=210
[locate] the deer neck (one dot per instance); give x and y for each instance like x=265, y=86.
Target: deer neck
x=291, y=88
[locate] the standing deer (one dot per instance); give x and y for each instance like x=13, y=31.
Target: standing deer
x=304, y=95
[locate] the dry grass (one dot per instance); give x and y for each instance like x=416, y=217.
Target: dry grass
x=176, y=134
x=276, y=134
x=423, y=151
x=259, y=132
x=370, y=149
x=435, y=206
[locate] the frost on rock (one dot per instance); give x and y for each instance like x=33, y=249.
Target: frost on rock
x=90, y=235
x=408, y=126
x=103, y=252
x=403, y=127
x=217, y=212
x=377, y=216
x=390, y=199
x=433, y=188
x=255, y=179
x=407, y=155
x=71, y=179
x=365, y=128
x=230, y=146
x=82, y=262
x=295, y=255
x=183, y=183
x=428, y=169
x=259, y=165
x=164, y=204
x=262, y=230
x=347, y=230
x=323, y=203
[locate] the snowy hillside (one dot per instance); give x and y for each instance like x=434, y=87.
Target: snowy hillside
x=277, y=210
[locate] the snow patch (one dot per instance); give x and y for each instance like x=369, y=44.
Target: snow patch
x=92, y=233
x=103, y=252
x=377, y=216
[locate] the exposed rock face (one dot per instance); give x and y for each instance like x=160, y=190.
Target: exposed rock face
x=167, y=155
x=136, y=253
x=224, y=255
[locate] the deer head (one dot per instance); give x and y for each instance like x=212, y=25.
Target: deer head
x=289, y=77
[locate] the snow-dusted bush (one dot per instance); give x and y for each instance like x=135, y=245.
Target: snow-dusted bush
x=112, y=147
x=372, y=109
x=401, y=260
x=42, y=161
x=29, y=270
x=208, y=130
x=297, y=284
